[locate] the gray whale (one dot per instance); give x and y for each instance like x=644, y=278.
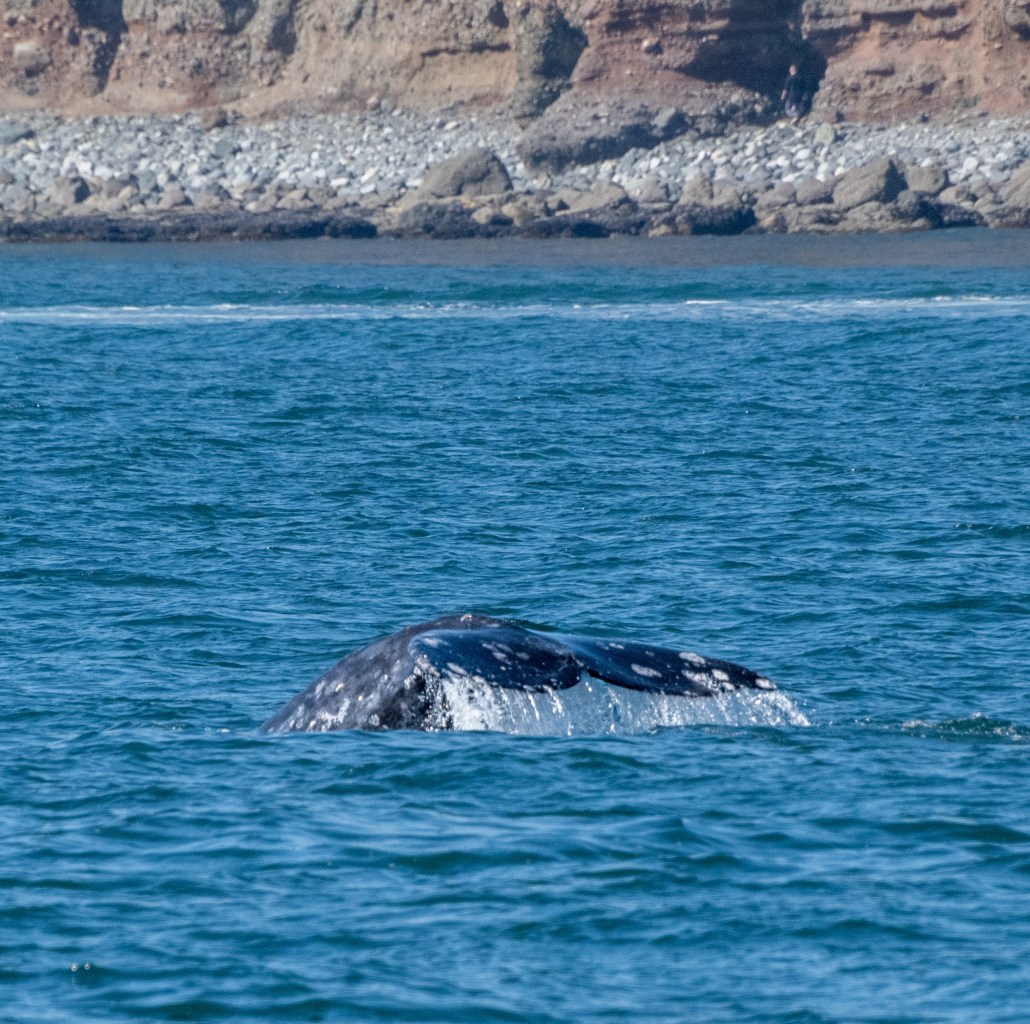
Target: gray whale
x=398, y=681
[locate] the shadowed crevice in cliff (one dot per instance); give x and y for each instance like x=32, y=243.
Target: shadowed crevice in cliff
x=548, y=47
x=283, y=33
x=237, y=13
x=762, y=38
x=106, y=16
x=1016, y=15
x=274, y=23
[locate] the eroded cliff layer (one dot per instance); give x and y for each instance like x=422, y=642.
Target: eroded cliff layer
x=893, y=58
x=873, y=58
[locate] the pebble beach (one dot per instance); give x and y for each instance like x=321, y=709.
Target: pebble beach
x=196, y=175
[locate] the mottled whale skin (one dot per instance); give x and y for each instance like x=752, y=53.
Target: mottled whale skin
x=397, y=681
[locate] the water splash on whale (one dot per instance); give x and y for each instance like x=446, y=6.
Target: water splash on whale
x=595, y=708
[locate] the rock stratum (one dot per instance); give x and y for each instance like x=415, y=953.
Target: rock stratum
x=880, y=60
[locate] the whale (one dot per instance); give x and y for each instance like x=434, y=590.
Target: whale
x=408, y=679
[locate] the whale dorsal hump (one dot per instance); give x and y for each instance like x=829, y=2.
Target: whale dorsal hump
x=503, y=655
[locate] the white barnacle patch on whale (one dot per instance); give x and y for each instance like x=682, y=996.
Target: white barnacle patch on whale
x=694, y=659
x=647, y=673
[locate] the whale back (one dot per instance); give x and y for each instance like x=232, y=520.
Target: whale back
x=395, y=681
x=654, y=669
x=379, y=686
x=502, y=654
x=401, y=681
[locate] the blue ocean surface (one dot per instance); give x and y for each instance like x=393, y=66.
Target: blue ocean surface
x=223, y=467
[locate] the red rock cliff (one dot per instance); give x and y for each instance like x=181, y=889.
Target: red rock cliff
x=876, y=58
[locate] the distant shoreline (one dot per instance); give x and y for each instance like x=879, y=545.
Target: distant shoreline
x=403, y=175
x=978, y=247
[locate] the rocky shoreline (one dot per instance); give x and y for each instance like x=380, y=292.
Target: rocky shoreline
x=590, y=172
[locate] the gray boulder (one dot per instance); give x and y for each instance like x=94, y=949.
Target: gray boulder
x=876, y=182
x=552, y=145
x=213, y=117
x=650, y=191
x=979, y=187
x=826, y=134
x=489, y=217
x=567, y=225
x=474, y=172
x=811, y=191
x=437, y=220
x=931, y=180
x=697, y=191
x=69, y=191
x=949, y=215
x=817, y=218
x=712, y=220
x=605, y=195
x=778, y=196
x=873, y=216
x=986, y=206
x=727, y=193
x=117, y=185
x=913, y=206
x=1017, y=191
x=1012, y=206
x=173, y=196
x=12, y=133
x=669, y=122
x=955, y=194
x=525, y=209
x=17, y=200
x=1005, y=216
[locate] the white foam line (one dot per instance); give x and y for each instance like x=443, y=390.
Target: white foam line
x=690, y=309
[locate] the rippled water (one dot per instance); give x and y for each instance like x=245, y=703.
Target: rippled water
x=222, y=468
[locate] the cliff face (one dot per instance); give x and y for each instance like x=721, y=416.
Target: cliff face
x=892, y=58
x=876, y=58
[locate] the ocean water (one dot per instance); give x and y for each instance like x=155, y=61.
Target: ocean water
x=221, y=468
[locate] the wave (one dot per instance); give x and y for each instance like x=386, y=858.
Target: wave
x=974, y=726
x=937, y=306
